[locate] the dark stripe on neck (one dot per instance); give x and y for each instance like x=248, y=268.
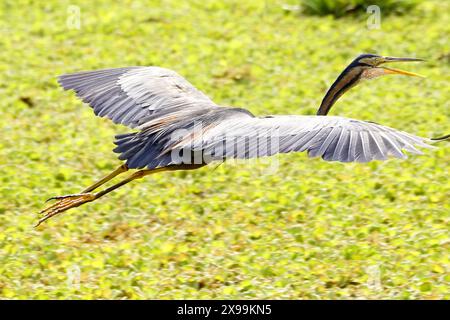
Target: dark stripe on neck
x=325, y=107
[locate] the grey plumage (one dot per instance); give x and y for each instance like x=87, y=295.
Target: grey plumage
x=129, y=95
x=332, y=138
x=158, y=102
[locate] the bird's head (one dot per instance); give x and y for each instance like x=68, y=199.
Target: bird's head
x=365, y=66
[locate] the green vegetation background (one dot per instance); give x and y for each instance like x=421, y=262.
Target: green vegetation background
x=310, y=229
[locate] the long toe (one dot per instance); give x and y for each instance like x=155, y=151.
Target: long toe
x=65, y=203
x=65, y=196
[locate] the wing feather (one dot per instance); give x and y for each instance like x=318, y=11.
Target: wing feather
x=332, y=138
x=129, y=95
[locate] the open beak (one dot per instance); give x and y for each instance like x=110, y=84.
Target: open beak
x=397, y=71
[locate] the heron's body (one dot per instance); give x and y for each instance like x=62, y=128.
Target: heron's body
x=177, y=127
x=158, y=102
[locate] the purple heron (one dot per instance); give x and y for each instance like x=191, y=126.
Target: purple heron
x=177, y=127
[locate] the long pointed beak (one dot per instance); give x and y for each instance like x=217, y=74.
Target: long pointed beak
x=396, y=59
x=398, y=71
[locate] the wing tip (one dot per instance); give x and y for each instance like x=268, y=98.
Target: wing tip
x=60, y=79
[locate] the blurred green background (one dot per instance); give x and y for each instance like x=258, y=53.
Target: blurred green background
x=309, y=230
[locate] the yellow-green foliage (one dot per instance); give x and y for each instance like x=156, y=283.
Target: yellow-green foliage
x=310, y=229
x=341, y=8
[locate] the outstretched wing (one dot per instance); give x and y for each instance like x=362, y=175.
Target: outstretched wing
x=133, y=95
x=332, y=138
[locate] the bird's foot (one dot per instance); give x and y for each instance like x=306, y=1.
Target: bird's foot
x=65, y=203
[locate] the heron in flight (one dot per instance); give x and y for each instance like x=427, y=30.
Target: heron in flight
x=177, y=127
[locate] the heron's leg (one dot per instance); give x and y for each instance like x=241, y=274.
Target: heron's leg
x=71, y=201
x=123, y=168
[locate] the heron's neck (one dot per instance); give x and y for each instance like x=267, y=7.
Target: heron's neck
x=346, y=80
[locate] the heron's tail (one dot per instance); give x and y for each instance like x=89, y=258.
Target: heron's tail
x=444, y=138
